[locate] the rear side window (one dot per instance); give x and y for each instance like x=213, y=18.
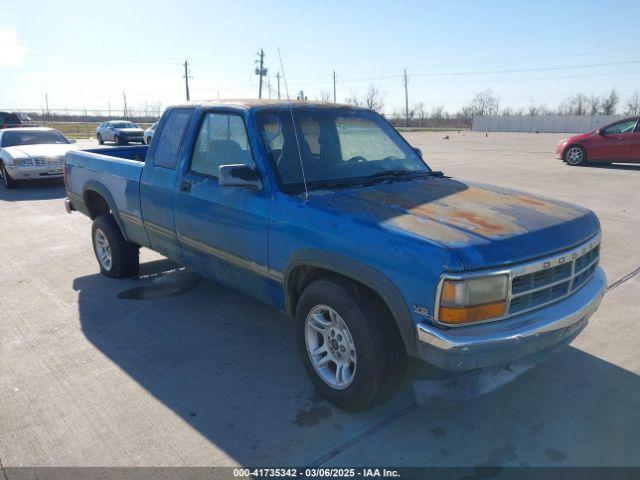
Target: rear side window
x=168, y=145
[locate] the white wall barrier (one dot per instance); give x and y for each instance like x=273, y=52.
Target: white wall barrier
x=542, y=124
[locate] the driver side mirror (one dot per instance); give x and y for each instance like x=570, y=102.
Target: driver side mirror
x=418, y=151
x=600, y=132
x=72, y=140
x=239, y=175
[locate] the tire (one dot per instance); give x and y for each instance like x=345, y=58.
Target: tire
x=100, y=140
x=119, y=140
x=370, y=346
x=7, y=181
x=575, y=156
x=117, y=257
x=148, y=142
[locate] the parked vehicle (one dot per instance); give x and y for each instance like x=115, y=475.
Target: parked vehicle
x=120, y=132
x=30, y=153
x=616, y=142
x=148, y=133
x=327, y=213
x=9, y=120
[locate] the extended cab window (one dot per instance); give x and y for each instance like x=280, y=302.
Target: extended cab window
x=171, y=137
x=222, y=140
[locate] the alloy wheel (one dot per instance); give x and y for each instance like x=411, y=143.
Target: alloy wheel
x=103, y=249
x=330, y=347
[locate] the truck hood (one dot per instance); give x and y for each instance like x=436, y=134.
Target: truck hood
x=43, y=150
x=484, y=225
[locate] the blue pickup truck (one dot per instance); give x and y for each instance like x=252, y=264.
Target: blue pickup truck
x=327, y=213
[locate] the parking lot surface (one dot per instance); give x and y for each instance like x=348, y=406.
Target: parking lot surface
x=170, y=369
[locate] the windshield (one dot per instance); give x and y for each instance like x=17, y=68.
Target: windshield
x=123, y=125
x=337, y=146
x=12, y=138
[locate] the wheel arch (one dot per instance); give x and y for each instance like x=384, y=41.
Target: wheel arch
x=309, y=265
x=99, y=201
x=571, y=145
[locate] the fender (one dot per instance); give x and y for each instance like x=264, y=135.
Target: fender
x=104, y=193
x=364, y=274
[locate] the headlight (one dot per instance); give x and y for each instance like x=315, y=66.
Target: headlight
x=473, y=299
x=18, y=162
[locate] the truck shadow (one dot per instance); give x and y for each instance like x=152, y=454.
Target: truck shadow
x=227, y=365
x=34, y=190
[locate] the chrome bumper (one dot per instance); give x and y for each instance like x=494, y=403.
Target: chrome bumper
x=32, y=172
x=503, y=341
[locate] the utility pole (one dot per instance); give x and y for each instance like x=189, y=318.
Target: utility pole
x=46, y=101
x=269, y=86
x=334, y=86
x=124, y=100
x=109, y=108
x=406, y=99
x=278, y=77
x=186, y=79
x=260, y=71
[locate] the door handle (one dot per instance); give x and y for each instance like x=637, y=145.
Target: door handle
x=185, y=186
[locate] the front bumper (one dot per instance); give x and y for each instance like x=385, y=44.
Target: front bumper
x=33, y=172
x=503, y=341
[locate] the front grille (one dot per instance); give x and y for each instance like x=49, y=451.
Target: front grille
x=48, y=161
x=553, y=280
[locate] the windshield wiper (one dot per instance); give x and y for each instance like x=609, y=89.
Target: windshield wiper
x=393, y=174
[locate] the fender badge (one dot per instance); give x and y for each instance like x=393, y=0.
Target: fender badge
x=420, y=310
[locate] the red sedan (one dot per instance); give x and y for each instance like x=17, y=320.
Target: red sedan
x=616, y=142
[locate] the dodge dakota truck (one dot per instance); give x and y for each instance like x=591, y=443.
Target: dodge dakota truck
x=327, y=213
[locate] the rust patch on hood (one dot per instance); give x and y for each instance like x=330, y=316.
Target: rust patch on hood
x=450, y=211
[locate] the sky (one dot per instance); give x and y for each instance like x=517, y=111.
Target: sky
x=83, y=54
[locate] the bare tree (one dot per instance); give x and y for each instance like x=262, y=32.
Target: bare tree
x=325, y=96
x=594, y=104
x=420, y=113
x=578, y=104
x=610, y=102
x=633, y=104
x=485, y=103
x=374, y=99
x=353, y=99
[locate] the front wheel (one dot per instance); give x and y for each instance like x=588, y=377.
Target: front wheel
x=148, y=140
x=348, y=344
x=119, y=140
x=117, y=257
x=575, y=156
x=7, y=181
x=100, y=140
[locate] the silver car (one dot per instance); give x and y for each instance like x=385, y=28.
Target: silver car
x=31, y=153
x=148, y=133
x=120, y=132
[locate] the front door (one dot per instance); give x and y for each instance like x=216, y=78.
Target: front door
x=223, y=230
x=614, y=143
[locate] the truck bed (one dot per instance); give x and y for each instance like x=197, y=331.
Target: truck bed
x=115, y=174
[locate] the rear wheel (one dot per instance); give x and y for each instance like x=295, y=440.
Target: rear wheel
x=349, y=347
x=116, y=257
x=575, y=156
x=7, y=181
x=100, y=140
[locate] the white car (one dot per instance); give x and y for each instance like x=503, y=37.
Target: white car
x=31, y=153
x=148, y=133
